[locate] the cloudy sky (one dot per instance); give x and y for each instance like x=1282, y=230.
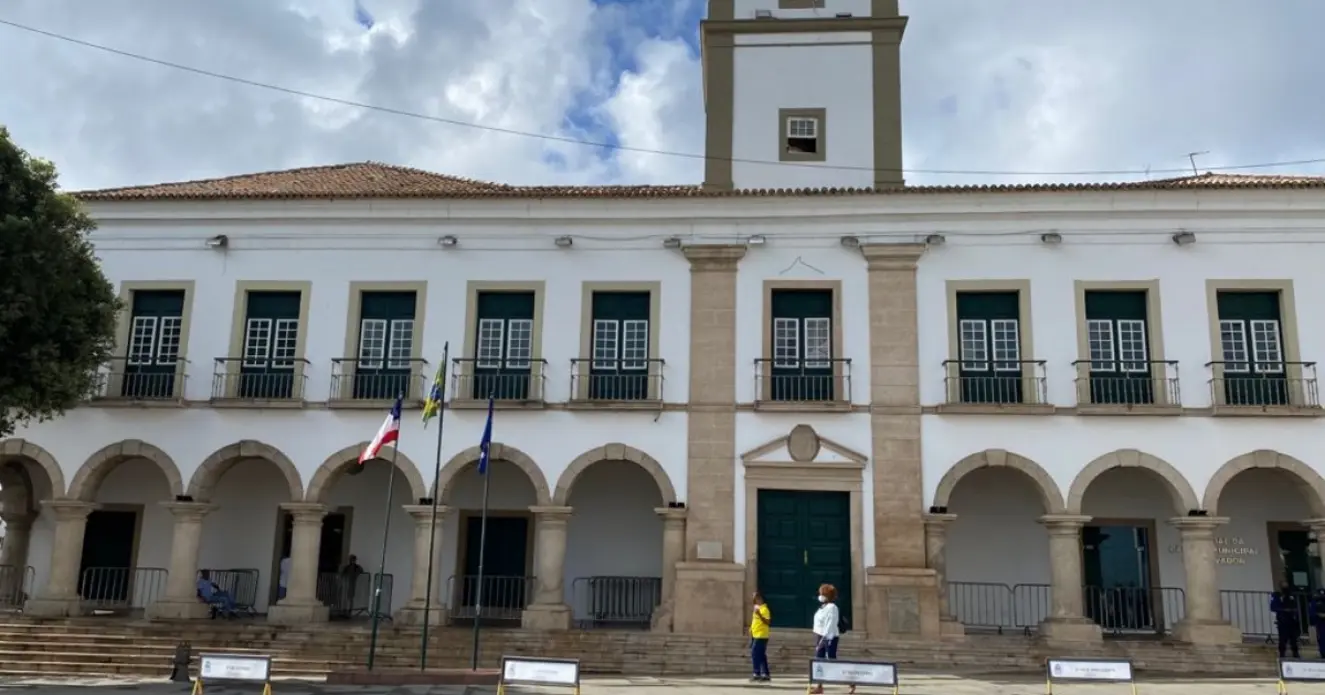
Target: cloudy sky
x=990, y=85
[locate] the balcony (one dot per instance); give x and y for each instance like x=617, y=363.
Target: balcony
x=510, y=383
x=241, y=383
x=616, y=384
x=1116, y=387
x=120, y=383
x=1264, y=388
x=803, y=384
x=374, y=384
x=995, y=387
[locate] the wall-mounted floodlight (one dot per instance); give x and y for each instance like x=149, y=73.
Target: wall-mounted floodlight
x=1051, y=238
x=850, y=242
x=564, y=242
x=755, y=240
x=448, y=241
x=673, y=242
x=1184, y=238
x=935, y=240
x=219, y=241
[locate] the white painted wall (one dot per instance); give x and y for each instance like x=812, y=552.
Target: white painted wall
x=745, y=9
x=810, y=74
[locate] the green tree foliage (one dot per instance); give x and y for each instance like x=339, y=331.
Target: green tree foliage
x=57, y=311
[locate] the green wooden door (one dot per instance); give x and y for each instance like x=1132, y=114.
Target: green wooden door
x=619, y=368
x=989, y=342
x=1118, y=339
x=1251, y=337
x=804, y=541
x=503, y=358
x=386, y=345
x=802, y=368
x=271, y=338
x=154, y=346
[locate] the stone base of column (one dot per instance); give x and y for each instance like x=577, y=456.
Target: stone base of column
x=554, y=616
x=286, y=613
x=662, y=617
x=411, y=615
x=952, y=629
x=1212, y=633
x=1078, y=630
x=902, y=603
x=713, y=598
x=169, y=609
x=53, y=607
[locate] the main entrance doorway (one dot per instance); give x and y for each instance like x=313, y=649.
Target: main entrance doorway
x=505, y=556
x=1120, y=579
x=105, y=571
x=804, y=540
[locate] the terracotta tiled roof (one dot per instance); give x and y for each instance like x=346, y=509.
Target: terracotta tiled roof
x=384, y=181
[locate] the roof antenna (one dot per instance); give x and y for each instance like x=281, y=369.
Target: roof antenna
x=1191, y=157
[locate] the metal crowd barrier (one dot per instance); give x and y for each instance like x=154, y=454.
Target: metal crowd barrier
x=121, y=589
x=1000, y=607
x=1249, y=611
x=240, y=584
x=351, y=595
x=615, y=601
x=504, y=598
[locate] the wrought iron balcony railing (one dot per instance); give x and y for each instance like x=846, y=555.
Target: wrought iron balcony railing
x=121, y=380
x=616, y=380
x=1264, y=384
x=993, y=382
x=356, y=379
x=1125, y=383
x=240, y=379
x=502, y=380
x=794, y=382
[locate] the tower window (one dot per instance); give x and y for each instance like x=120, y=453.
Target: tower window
x=802, y=133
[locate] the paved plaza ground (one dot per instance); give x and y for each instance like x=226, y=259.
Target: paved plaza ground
x=915, y=684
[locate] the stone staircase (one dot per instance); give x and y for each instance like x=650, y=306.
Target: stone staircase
x=96, y=647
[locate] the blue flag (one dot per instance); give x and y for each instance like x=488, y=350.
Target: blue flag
x=485, y=446
x=361, y=16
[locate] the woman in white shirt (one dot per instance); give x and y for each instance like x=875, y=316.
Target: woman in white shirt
x=826, y=630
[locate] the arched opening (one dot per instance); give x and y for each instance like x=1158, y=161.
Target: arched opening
x=1131, y=556
x=127, y=539
x=1266, y=497
x=350, y=558
x=242, y=538
x=997, y=552
x=613, y=566
x=515, y=483
x=28, y=476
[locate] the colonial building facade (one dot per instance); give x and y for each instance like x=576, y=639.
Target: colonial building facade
x=1076, y=410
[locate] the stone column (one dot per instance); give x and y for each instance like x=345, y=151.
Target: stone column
x=59, y=598
x=426, y=534
x=901, y=590
x=709, y=577
x=673, y=551
x=181, y=599
x=1204, y=620
x=300, y=604
x=549, y=610
x=1067, y=621
x=936, y=553
x=14, y=558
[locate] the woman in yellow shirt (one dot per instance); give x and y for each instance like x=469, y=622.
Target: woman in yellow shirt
x=759, y=639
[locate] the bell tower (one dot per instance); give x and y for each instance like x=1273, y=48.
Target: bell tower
x=802, y=93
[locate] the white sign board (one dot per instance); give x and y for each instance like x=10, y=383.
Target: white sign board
x=853, y=673
x=1300, y=670
x=1101, y=670
x=529, y=671
x=234, y=667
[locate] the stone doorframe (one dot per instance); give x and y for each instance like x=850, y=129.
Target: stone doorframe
x=845, y=477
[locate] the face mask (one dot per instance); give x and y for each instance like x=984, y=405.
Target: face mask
x=823, y=599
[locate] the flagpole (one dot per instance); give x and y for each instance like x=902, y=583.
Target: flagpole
x=432, y=535
x=482, y=546
x=386, y=534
